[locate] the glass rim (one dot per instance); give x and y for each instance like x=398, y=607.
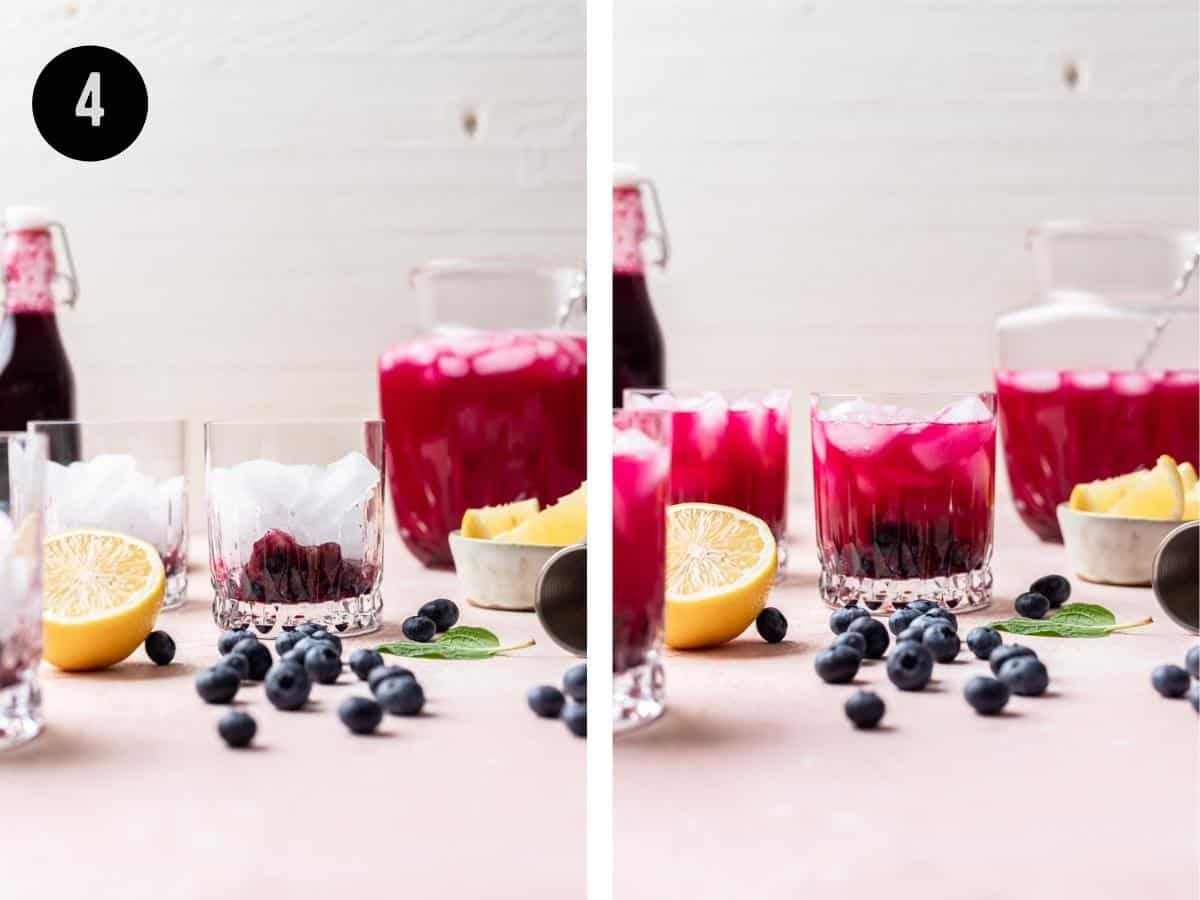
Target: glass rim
x=945, y=398
x=692, y=392
x=446, y=265
x=289, y=423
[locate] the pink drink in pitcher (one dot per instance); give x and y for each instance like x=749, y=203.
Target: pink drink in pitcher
x=477, y=418
x=1065, y=428
x=904, y=499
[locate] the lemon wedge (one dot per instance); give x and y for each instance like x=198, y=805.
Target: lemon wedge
x=103, y=592
x=1157, y=494
x=721, y=565
x=562, y=523
x=489, y=521
x=1191, y=503
x=1187, y=475
x=1100, y=496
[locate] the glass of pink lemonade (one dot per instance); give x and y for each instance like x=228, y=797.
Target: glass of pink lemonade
x=729, y=447
x=904, y=491
x=641, y=481
x=489, y=404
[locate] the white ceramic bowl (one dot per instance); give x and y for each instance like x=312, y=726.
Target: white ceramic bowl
x=498, y=575
x=1112, y=549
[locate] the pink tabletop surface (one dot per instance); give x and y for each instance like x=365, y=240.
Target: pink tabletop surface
x=756, y=785
x=129, y=793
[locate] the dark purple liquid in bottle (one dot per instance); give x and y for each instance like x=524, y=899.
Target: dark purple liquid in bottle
x=638, y=350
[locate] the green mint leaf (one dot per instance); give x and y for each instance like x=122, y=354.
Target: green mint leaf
x=1075, y=620
x=460, y=642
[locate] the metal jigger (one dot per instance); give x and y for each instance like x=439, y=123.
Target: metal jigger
x=560, y=598
x=1176, y=578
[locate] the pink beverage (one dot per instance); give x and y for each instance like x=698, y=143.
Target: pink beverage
x=1062, y=428
x=641, y=478
x=477, y=418
x=904, y=490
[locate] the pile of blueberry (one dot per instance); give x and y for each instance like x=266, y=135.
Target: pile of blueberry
x=1047, y=593
x=549, y=702
x=431, y=619
x=1173, y=682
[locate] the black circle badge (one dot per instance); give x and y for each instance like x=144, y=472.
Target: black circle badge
x=90, y=103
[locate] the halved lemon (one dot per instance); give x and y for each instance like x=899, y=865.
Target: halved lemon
x=103, y=592
x=721, y=565
x=1157, y=494
x=562, y=523
x=489, y=521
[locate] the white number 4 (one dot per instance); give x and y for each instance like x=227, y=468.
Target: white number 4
x=88, y=105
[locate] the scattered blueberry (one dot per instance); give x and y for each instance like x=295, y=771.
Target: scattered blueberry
x=288, y=686
x=575, y=717
x=837, y=665
x=912, y=633
x=238, y=663
x=302, y=646
x=296, y=655
x=545, y=700
x=1025, y=675
x=899, y=621
x=364, y=661
x=575, y=683
x=910, y=666
x=160, y=648
x=771, y=625
x=361, y=715
x=945, y=615
x=852, y=639
x=841, y=618
x=987, y=696
x=257, y=655
x=1194, y=696
x=922, y=606
x=237, y=728
x=419, y=629
x=942, y=642
x=983, y=640
x=1192, y=661
x=1032, y=605
x=324, y=637
x=309, y=628
x=286, y=641
x=1005, y=652
x=218, y=685
x=1170, y=681
x=865, y=709
x=380, y=674
x=323, y=664
x=228, y=639
x=401, y=696
x=1054, y=588
x=925, y=620
x=876, y=636
x=443, y=613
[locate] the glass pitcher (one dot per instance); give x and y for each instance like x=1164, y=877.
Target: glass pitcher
x=1100, y=376
x=488, y=404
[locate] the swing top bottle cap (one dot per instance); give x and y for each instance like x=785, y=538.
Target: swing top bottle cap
x=625, y=175
x=23, y=218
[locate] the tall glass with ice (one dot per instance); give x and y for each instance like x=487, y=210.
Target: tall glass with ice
x=904, y=490
x=295, y=524
x=641, y=481
x=129, y=477
x=21, y=586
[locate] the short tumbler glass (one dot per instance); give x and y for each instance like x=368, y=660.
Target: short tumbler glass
x=295, y=524
x=21, y=586
x=904, y=489
x=641, y=480
x=129, y=477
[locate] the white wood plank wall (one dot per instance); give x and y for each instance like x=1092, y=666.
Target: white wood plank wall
x=848, y=183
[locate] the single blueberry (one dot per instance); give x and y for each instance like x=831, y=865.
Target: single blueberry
x=922, y=606
x=1192, y=661
x=218, y=684
x=286, y=641
x=363, y=661
x=419, y=629
x=876, y=636
x=925, y=620
x=852, y=639
x=296, y=655
x=380, y=674
x=237, y=728
x=983, y=640
x=1005, y=652
x=257, y=655
x=987, y=696
x=911, y=633
x=575, y=683
x=401, y=696
x=323, y=636
x=1170, y=681
x=837, y=665
x=841, y=618
x=865, y=709
x=942, y=642
x=910, y=666
x=1194, y=696
x=288, y=686
x=238, y=663
x=945, y=615
x=361, y=715
x=899, y=621
x=575, y=717
x=443, y=613
x=1054, y=588
x=227, y=640
x=323, y=664
x=1032, y=605
x=546, y=700
x=160, y=648
x=308, y=628
x=1025, y=675
x=771, y=624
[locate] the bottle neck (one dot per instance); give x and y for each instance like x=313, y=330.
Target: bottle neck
x=29, y=269
x=629, y=230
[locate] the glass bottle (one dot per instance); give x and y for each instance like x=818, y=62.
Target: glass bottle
x=638, y=348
